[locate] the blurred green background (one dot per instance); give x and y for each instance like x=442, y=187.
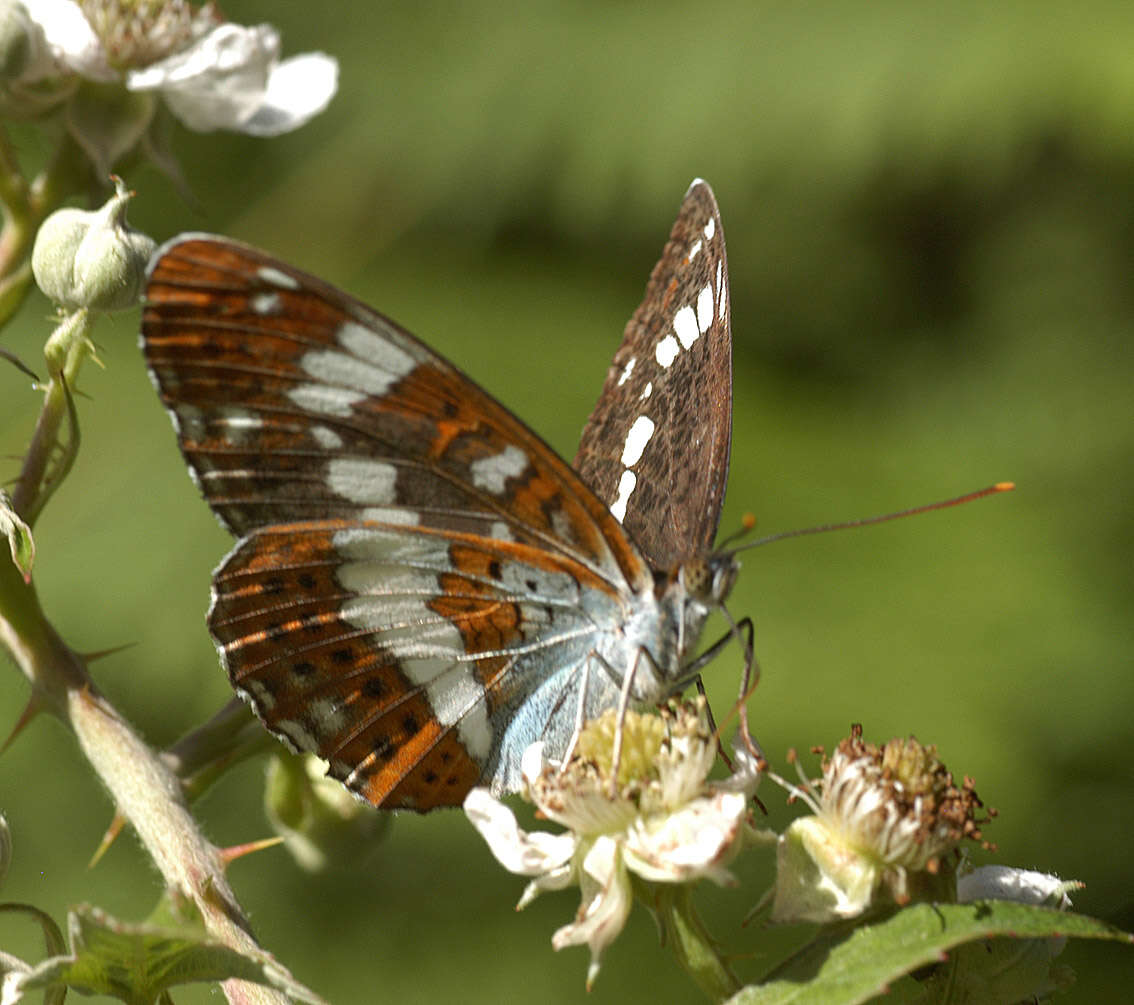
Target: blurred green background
x=930, y=222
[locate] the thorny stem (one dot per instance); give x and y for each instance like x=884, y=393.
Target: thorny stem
x=207, y=751
x=146, y=792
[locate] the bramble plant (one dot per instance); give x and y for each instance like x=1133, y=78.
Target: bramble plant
x=880, y=866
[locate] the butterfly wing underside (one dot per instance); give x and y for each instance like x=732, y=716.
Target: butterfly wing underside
x=419, y=579
x=656, y=446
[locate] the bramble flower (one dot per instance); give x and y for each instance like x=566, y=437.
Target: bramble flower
x=885, y=820
x=660, y=819
x=111, y=60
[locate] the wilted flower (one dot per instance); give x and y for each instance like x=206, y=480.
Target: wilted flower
x=211, y=74
x=885, y=820
x=660, y=819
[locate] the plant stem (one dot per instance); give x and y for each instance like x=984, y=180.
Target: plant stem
x=66, y=349
x=695, y=949
x=25, y=208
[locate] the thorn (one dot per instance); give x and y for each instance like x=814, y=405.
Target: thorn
x=100, y=653
x=31, y=710
x=108, y=839
x=229, y=855
x=19, y=364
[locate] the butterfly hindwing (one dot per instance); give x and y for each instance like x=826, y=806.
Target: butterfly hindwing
x=656, y=445
x=403, y=656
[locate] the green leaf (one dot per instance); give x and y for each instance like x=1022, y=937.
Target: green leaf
x=137, y=963
x=866, y=963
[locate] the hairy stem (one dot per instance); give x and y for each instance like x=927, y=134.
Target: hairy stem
x=146, y=792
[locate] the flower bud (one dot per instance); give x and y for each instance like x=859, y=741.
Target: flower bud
x=321, y=823
x=92, y=259
x=1009, y=970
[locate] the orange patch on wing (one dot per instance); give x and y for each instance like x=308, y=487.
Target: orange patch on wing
x=406, y=759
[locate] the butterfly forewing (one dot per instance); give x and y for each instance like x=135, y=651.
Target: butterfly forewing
x=656, y=445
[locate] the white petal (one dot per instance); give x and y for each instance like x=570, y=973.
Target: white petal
x=70, y=37
x=1001, y=882
x=298, y=89
x=531, y=762
x=12, y=987
x=818, y=877
x=557, y=879
x=219, y=81
x=606, y=903
x=519, y=852
x=695, y=841
x=746, y=772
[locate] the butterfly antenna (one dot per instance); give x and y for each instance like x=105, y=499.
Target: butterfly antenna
x=884, y=518
x=747, y=525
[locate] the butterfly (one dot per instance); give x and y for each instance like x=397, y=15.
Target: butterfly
x=422, y=587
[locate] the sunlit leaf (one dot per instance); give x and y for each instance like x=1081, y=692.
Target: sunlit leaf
x=868, y=961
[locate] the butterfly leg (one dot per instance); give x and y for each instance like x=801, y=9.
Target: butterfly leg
x=700, y=684
x=623, y=705
x=744, y=632
x=580, y=716
x=748, y=682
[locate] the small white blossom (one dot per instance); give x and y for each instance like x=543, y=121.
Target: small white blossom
x=1025, y=886
x=211, y=74
x=661, y=819
x=232, y=78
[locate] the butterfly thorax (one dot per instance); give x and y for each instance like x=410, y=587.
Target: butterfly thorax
x=658, y=641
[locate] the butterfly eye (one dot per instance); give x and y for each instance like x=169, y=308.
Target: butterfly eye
x=697, y=577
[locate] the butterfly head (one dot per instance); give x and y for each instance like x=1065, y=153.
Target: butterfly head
x=708, y=580
x=699, y=585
